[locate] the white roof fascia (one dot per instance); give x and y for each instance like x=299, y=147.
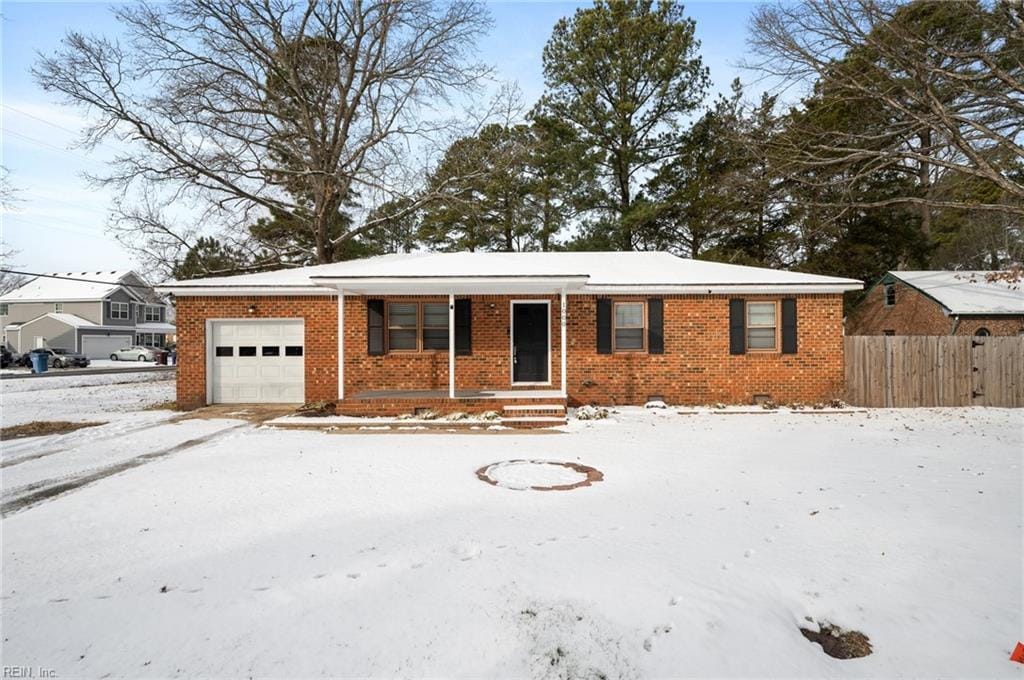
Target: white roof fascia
x=53, y=318
x=154, y=326
x=454, y=285
x=228, y=291
x=721, y=289
x=497, y=286
x=130, y=292
x=47, y=301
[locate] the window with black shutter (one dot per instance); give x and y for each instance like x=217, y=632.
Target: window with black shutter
x=463, y=327
x=737, y=326
x=604, y=326
x=655, y=326
x=375, y=327
x=789, y=326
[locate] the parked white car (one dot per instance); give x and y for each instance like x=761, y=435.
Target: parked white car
x=135, y=353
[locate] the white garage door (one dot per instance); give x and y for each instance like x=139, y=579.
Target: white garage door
x=102, y=346
x=257, y=362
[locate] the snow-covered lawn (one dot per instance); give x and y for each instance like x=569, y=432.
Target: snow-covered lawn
x=93, y=364
x=278, y=553
x=106, y=397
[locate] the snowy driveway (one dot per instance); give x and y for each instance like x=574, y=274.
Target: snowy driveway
x=37, y=469
x=294, y=553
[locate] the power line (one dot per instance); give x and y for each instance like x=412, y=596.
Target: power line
x=72, y=229
x=74, y=278
x=41, y=120
x=52, y=147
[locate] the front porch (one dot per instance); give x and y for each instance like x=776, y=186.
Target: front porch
x=516, y=408
x=492, y=344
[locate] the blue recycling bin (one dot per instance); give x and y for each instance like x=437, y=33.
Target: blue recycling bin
x=40, y=362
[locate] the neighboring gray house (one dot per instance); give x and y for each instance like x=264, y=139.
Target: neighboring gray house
x=94, y=312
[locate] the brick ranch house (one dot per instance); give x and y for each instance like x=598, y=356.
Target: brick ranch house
x=940, y=303
x=478, y=331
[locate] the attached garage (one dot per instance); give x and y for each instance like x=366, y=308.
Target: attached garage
x=102, y=346
x=261, y=361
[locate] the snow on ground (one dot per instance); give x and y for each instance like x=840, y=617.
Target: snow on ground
x=523, y=474
x=93, y=364
x=82, y=397
x=302, y=553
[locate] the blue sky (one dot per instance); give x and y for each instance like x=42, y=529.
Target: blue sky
x=59, y=225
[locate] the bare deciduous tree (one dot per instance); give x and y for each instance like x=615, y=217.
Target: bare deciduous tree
x=943, y=80
x=9, y=201
x=245, y=108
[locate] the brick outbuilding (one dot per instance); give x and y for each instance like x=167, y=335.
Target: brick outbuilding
x=941, y=303
x=470, y=331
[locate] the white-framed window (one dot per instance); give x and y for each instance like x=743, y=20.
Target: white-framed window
x=762, y=326
x=152, y=313
x=890, y=294
x=4, y=311
x=58, y=307
x=120, y=310
x=629, y=335
x=414, y=326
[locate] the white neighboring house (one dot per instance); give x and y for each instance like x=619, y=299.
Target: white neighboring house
x=91, y=312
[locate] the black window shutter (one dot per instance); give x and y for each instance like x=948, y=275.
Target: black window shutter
x=789, y=326
x=737, y=326
x=463, y=328
x=375, y=327
x=655, y=326
x=604, y=326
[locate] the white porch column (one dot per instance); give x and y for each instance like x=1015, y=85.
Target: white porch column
x=562, y=314
x=451, y=346
x=341, y=344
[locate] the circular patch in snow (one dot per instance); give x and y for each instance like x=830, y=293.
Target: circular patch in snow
x=539, y=475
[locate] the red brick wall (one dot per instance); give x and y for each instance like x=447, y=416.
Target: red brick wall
x=320, y=313
x=489, y=366
x=917, y=314
x=696, y=367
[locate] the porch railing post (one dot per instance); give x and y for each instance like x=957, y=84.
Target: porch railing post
x=451, y=346
x=341, y=344
x=562, y=314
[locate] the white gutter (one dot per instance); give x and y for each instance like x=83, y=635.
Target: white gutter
x=482, y=285
x=721, y=289
x=228, y=291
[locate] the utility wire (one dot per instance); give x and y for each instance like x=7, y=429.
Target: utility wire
x=75, y=278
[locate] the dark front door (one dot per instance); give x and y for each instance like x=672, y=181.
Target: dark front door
x=530, y=342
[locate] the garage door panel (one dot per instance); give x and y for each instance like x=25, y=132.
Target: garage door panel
x=258, y=374
x=102, y=346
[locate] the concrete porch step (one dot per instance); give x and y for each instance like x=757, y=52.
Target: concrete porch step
x=517, y=411
x=528, y=422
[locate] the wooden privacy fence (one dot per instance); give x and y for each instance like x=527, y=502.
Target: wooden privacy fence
x=905, y=371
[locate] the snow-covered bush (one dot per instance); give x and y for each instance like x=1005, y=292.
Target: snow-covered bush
x=316, y=408
x=490, y=415
x=655, y=403
x=769, y=405
x=457, y=415
x=588, y=412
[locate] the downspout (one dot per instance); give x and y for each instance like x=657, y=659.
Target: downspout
x=955, y=325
